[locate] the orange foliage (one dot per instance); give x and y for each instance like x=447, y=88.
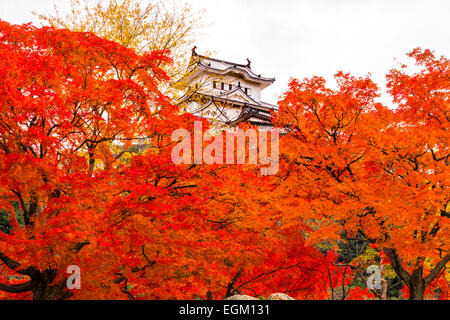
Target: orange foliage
x=139, y=227
x=74, y=110
x=354, y=166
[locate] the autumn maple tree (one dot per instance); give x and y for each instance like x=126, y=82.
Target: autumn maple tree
x=351, y=167
x=66, y=99
x=87, y=179
x=73, y=107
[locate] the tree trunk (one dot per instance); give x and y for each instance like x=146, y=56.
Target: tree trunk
x=416, y=288
x=42, y=284
x=415, y=281
x=43, y=289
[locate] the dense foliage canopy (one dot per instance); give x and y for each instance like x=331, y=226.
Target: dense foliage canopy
x=87, y=179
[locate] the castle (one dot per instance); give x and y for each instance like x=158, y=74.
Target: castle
x=226, y=93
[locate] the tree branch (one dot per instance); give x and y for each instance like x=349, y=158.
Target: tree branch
x=230, y=285
x=436, y=270
x=16, y=288
x=78, y=246
x=397, y=265
x=10, y=263
x=14, y=265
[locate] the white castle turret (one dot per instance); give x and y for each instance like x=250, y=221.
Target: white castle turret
x=226, y=93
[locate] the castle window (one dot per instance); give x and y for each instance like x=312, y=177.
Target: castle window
x=214, y=84
x=230, y=87
x=222, y=86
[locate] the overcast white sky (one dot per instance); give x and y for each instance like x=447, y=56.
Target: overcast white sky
x=302, y=38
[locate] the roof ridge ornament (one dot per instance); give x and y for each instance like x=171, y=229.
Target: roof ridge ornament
x=193, y=51
x=248, y=63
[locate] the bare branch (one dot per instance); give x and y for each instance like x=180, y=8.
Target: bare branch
x=16, y=288
x=436, y=270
